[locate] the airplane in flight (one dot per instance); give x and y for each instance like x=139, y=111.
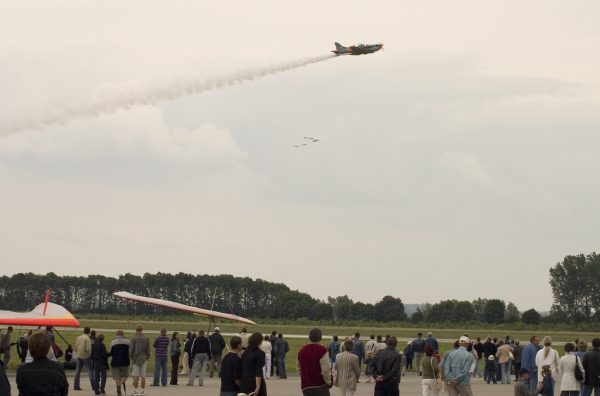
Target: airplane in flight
x=360, y=49
x=212, y=315
x=45, y=314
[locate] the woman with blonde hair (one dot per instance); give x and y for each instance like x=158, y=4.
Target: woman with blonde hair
x=547, y=356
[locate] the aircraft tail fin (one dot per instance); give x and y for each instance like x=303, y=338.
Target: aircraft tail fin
x=339, y=46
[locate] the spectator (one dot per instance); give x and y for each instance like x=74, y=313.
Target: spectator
x=187, y=348
x=388, y=366
x=569, y=385
x=119, y=351
x=591, y=365
x=546, y=386
x=267, y=348
x=281, y=349
x=418, y=347
x=231, y=369
x=100, y=363
x=161, y=358
x=489, y=348
x=244, y=337
x=517, y=350
x=4, y=382
x=490, y=369
x=581, y=349
x=409, y=355
x=528, y=361
x=503, y=354
x=431, y=373
x=139, y=353
x=333, y=349
x=200, y=354
x=430, y=340
x=22, y=345
x=478, y=347
x=5, y=345
x=253, y=362
x=369, y=349
x=83, y=351
x=445, y=359
x=313, y=366
x=274, y=369
x=456, y=370
x=175, y=347
x=217, y=344
x=522, y=383
x=547, y=356
x=359, y=349
x=348, y=370
x=70, y=362
x=41, y=377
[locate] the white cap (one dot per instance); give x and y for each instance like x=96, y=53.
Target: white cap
x=464, y=339
x=217, y=329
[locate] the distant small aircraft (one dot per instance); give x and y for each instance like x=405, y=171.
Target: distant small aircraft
x=360, y=49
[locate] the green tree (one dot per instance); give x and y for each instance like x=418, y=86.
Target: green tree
x=479, y=307
x=531, y=316
x=493, y=312
x=571, y=288
x=418, y=316
x=511, y=315
x=389, y=309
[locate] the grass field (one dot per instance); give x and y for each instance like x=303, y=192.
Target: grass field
x=295, y=343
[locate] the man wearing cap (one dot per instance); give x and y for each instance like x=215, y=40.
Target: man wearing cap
x=522, y=384
x=456, y=369
x=217, y=344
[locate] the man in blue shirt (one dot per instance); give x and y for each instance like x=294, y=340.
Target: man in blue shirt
x=528, y=361
x=418, y=347
x=456, y=370
x=430, y=340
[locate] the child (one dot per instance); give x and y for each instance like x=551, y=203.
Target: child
x=546, y=387
x=490, y=369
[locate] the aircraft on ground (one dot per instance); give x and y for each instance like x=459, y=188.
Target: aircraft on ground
x=212, y=315
x=45, y=314
x=360, y=49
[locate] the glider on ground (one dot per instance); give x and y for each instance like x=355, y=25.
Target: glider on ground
x=360, y=49
x=45, y=314
x=185, y=308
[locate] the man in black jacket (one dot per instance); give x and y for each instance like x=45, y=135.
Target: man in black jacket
x=4, y=384
x=388, y=364
x=489, y=348
x=591, y=365
x=100, y=364
x=200, y=353
x=217, y=344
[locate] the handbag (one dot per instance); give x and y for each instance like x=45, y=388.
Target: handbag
x=438, y=384
x=578, y=373
x=511, y=356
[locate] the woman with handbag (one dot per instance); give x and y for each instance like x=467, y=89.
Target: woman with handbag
x=570, y=366
x=431, y=382
x=504, y=355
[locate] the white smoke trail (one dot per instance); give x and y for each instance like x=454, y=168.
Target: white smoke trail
x=109, y=103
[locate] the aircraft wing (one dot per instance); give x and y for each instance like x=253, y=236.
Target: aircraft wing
x=183, y=307
x=55, y=315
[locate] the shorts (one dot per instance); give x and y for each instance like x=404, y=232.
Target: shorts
x=139, y=371
x=119, y=373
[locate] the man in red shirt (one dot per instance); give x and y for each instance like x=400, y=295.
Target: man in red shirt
x=313, y=366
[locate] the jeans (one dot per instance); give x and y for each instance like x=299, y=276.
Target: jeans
x=200, y=361
x=174, y=369
x=281, y=367
x=477, y=370
x=369, y=369
x=533, y=382
x=215, y=364
x=505, y=368
x=99, y=376
x=160, y=364
x=88, y=365
x=409, y=363
x=6, y=357
x=586, y=390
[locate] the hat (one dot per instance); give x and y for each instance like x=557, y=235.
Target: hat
x=523, y=370
x=491, y=357
x=429, y=333
x=464, y=339
x=217, y=329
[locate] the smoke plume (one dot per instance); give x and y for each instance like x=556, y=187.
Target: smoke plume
x=111, y=102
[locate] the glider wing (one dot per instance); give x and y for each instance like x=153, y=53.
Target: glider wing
x=45, y=314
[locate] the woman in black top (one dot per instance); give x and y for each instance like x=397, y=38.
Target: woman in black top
x=253, y=361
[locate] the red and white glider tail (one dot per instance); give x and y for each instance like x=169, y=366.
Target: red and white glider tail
x=45, y=314
x=183, y=307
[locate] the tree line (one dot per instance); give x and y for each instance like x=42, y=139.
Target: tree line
x=575, y=284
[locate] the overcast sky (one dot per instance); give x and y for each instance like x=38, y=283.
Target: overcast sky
x=460, y=162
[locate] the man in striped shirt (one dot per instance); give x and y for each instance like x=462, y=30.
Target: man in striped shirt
x=161, y=356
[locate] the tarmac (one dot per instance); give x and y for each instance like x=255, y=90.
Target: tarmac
x=409, y=386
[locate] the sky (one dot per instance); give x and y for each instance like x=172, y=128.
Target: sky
x=460, y=162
